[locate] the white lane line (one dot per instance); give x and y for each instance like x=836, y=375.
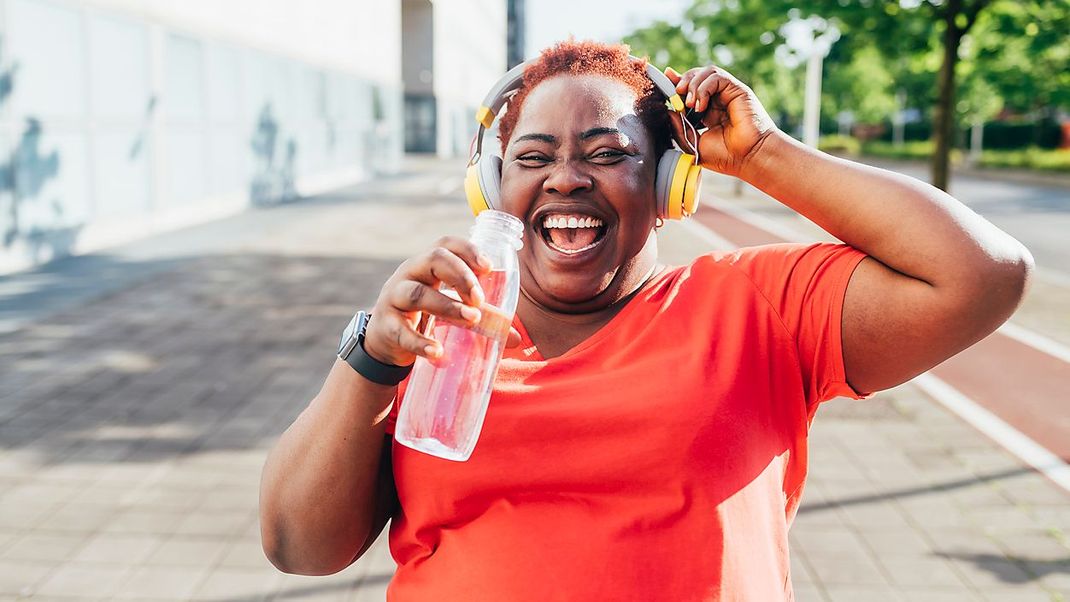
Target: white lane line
x=1036, y=341
x=1029, y=451
x=764, y=223
x=1010, y=438
x=1050, y=276
x=1022, y=335
x=718, y=242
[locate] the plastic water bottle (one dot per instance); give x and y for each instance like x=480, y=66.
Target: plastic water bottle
x=447, y=397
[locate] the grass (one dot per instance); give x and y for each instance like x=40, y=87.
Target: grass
x=1034, y=158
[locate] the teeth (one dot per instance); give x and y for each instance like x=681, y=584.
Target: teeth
x=571, y=222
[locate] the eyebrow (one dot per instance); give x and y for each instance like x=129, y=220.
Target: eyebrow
x=591, y=133
x=601, y=131
x=541, y=137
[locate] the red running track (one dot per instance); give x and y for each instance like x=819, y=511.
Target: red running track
x=1024, y=386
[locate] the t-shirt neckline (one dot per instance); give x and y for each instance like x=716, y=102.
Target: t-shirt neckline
x=534, y=355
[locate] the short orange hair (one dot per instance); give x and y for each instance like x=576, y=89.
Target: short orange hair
x=594, y=58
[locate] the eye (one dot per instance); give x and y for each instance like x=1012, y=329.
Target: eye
x=533, y=160
x=608, y=156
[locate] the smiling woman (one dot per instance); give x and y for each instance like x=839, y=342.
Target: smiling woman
x=647, y=432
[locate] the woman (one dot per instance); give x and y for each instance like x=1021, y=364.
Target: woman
x=646, y=439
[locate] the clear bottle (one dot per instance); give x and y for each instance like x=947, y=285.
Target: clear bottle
x=447, y=398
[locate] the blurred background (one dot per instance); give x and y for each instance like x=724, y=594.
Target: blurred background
x=195, y=197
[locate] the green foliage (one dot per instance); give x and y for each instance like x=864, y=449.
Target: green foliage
x=1021, y=49
x=1014, y=56
x=1029, y=158
x=863, y=85
x=840, y=145
x=921, y=150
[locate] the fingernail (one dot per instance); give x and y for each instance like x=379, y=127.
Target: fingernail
x=431, y=350
x=477, y=295
x=689, y=98
x=470, y=313
x=483, y=261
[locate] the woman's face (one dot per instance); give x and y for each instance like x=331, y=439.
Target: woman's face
x=579, y=170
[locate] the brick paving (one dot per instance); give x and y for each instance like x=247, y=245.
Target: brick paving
x=135, y=417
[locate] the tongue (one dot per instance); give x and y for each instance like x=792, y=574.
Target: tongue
x=572, y=239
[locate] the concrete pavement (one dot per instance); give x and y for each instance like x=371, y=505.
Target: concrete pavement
x=136, y=410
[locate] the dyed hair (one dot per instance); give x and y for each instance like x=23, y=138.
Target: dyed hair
x=594, y=58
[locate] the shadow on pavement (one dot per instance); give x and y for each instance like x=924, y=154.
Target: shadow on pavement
x=1014, y=569
x=914, y=491
x=62, y=283
x=216, y=353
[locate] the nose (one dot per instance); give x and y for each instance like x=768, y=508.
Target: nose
x=567, y=178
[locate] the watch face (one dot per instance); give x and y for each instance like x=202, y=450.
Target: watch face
x=348, y=332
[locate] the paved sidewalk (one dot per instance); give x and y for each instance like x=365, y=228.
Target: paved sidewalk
x=136, y=410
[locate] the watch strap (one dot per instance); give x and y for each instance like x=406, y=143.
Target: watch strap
x=366, y=365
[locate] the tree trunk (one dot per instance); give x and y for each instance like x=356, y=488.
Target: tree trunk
x=944, y=116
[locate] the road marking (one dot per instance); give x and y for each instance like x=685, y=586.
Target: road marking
x=1022, y=335
x=1002, y=433
x=1051, y=276
x=708, y=236
x=1013, y=440
x=1036, y=341
x=786, y=233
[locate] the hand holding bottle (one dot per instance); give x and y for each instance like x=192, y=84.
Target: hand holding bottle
x=447, y=395
x=412, y=293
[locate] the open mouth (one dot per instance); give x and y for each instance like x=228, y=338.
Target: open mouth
x=572, y=233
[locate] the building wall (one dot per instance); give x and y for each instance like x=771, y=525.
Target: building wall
x=119, y=118
x=469, y=56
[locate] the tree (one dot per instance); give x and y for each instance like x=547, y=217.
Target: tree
x=1014, y=49
x=741, y=35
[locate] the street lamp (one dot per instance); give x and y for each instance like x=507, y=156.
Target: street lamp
x=810, y=39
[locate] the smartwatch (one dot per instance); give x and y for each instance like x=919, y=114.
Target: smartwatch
x=351, y=349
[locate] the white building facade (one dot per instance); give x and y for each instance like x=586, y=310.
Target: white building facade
x=454, y=51
x=120, y=118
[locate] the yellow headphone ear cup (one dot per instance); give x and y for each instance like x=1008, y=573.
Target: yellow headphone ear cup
x=473, y=191
x=678, y=187
x=691, y=189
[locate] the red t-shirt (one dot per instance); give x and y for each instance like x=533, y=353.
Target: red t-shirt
x=660, y=459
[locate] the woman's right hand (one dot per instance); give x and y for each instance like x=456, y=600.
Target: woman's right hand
x=393, y=335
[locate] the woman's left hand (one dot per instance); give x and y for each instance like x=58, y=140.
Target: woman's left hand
x=736, y=120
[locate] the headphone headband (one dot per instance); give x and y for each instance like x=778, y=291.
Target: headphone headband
x=512, y=80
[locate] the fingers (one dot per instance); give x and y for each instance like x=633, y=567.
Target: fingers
x=708, y=90
x=394, y=335
x=411, y=296
x=513, y=339
x=397, y=342
x=453, y=262
x=683, y=85
x=702, y=85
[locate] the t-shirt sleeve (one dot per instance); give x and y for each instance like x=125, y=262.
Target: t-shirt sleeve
x=805, y=285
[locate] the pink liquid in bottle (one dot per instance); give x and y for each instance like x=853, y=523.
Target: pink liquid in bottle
x=447, y=398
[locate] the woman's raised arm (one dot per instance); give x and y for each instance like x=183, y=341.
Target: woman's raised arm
x=938, y=278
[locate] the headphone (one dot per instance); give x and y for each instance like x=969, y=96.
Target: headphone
x=676, y=185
